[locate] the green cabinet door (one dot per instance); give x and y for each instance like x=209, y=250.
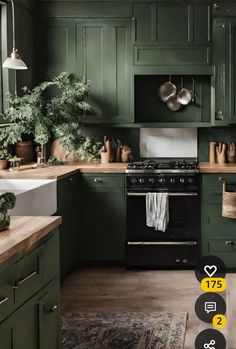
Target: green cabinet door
x=35, y=324
x=68, y=208
x=99, y=50
x=217, y=232
x=102, y=223
x=172, y=33
x=224, y=46
x=172, y=22
x=105, y=49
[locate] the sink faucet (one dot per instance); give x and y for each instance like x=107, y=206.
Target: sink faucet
x=41, y=155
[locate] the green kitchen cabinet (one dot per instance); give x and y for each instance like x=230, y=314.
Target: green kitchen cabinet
x=224, y=46
x=29, y=297
x=99, y=50
x=35, y=324
x=102, y=220
x=68, y=207
x=172, y=33
x=218, y=233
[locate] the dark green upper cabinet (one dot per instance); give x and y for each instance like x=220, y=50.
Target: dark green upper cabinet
x=172, y=33
x=224, y=46
x=172, y=22
x=100, y=50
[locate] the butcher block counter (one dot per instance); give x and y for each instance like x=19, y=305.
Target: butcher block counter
x=207, y=167
x=60, y=172
x=24, y=233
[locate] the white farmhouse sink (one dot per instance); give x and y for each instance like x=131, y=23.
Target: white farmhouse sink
x=34, y=197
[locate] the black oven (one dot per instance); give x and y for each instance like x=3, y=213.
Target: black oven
x=178, y=246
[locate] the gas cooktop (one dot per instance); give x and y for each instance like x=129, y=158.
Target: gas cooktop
x=163, y=166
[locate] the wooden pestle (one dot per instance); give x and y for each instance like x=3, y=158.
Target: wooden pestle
x=212, y=152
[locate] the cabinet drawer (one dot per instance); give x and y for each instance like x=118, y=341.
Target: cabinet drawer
x=6, y=293
x=35, y=269
x=223, y=245
x=217, y=179
x=101, y=181
x=212, y=194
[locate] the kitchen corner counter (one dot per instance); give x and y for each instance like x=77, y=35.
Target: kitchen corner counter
x=24, y=233
x=207, y=167
x=60, y=172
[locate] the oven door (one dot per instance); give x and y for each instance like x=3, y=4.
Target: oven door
x=177, y=247
x=184, y=218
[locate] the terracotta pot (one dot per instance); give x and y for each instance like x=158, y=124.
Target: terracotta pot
x=3, y=164
x=24, y=150
x=60, y=153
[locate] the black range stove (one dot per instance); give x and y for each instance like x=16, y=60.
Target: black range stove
x=178, y=246
x=166, y=175
x=163, y=166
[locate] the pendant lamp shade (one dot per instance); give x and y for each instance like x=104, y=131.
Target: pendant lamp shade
x=14, y=61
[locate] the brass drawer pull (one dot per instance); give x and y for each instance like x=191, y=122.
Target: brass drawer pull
x=53, y=308
x=229, y=243
x=17, y=283
x=3, y=300
x=98, y=180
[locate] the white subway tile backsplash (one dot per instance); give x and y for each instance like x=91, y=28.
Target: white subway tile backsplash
x=168, y=142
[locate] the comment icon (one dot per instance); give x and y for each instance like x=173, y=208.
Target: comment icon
x=210, y=307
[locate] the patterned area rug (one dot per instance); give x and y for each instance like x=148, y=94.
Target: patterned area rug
x=123, y=330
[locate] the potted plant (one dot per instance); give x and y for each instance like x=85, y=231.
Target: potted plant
x=7, y=202
x=4, y=157
x=55, y=108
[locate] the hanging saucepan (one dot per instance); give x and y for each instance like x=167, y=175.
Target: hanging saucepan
x=184, y=95
x=167, y=90
x=173, y=103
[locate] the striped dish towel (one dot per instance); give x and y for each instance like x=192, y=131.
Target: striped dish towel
x=157, y=210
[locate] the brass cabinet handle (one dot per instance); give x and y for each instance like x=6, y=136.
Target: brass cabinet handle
x=98, y=180
x=227, y=243
x=216, y=6
x=221, y=179
x=17, y=283
x=3, y=300
x=53, y=308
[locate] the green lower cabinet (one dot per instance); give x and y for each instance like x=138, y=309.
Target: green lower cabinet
x=218, y=233
x=68, y=207
x=102, y=224
x=35, y=324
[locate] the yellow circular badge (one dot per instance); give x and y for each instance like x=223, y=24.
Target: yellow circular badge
x=219, y=321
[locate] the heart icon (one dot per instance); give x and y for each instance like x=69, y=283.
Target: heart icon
x=210, y=270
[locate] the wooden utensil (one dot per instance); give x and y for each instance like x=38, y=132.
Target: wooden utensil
x=221, y=153
x=230, y=152
x=212, y=152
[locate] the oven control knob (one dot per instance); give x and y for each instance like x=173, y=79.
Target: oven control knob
x=133, y=180
x=172, y=180
x=151, y=180
x=190, y=180
x=162, y=180
x=141, y=180
x=182, y=180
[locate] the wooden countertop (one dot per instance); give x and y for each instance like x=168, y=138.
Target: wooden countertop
x=207, y=167
x=24, y=233
x=60, y=172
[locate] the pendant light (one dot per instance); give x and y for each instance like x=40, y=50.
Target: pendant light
x=14, y=61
